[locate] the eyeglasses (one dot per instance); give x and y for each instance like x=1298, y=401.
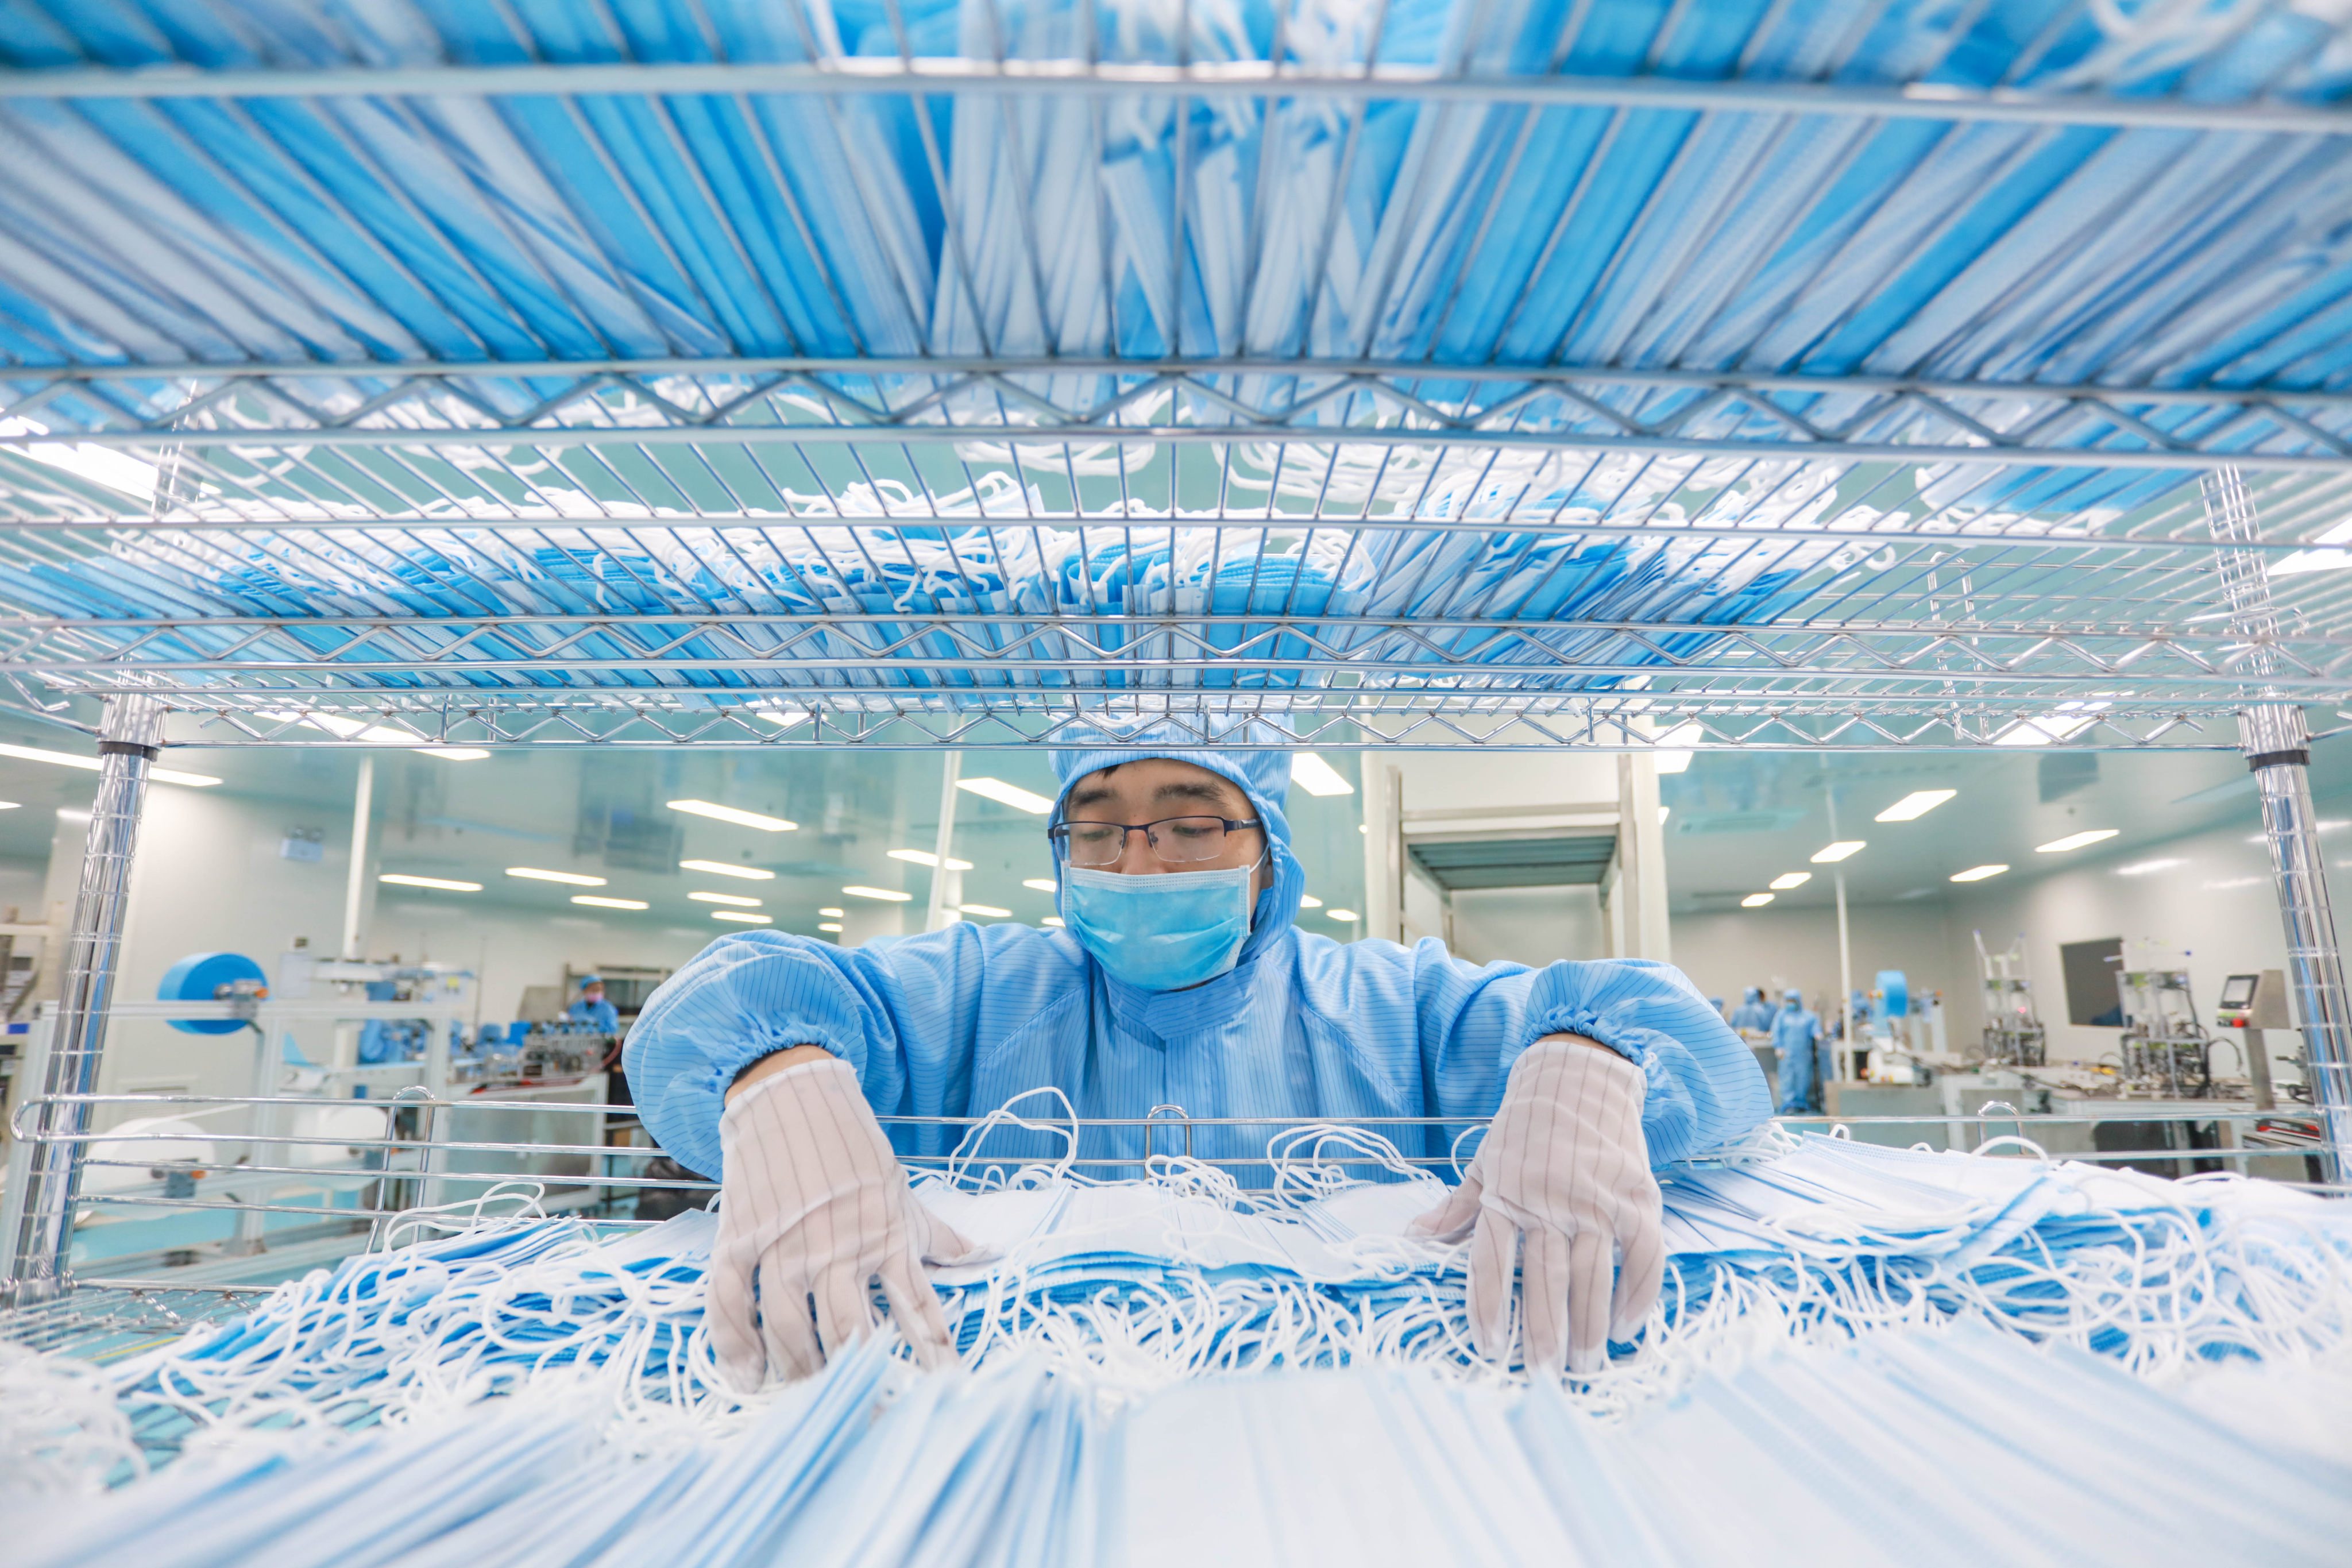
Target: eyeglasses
x=1176, y=840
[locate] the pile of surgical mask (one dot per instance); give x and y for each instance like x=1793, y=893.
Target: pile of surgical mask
x=1132, y=1287
x=1962, y=1447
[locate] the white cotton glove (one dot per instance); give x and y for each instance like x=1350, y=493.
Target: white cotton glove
x=1566, y=1168
x=816, y=1203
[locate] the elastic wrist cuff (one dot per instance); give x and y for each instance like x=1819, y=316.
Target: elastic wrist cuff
x=798, y=1069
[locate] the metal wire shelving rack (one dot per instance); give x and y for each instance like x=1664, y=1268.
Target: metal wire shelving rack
x=1850, y=375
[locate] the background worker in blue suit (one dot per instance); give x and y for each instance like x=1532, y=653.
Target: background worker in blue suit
x=1797, y=1036
x=1180, y=981
x=592, y=1009
x=1753, y=1012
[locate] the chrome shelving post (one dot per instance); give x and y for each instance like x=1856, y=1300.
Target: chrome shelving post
x=39, y=1251
x=2277, y=746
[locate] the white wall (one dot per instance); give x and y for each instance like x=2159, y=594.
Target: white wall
x=208, y=878
x=1529, y=925
x=2210, y=893
x=1725, y=953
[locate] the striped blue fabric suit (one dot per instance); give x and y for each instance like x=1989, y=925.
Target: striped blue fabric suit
x=955, y=1023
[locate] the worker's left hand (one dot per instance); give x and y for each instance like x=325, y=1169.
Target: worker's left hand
x=1566, y=1169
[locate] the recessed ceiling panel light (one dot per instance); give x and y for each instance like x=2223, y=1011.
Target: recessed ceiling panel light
x=829, y=925
x=830, y=914
x=2075, y=841
x=1004, y=793
x=884, y=894
x=735, y=898
x=91, y=764
x=1349, y=916
x=740, y=915
x=1916, y=805
x=591, y=900
x=1829, y=853
x=533, y=874
x=721, y=868
x=1316, y=776
x=984, y=910
x=1977, y=873
x=398, y=880
x=1039, y=884
x=741, y=818
x=1309, y=901
x=1788, y=879
x=1055, y=920
x=925, y=857
x=1755, y=901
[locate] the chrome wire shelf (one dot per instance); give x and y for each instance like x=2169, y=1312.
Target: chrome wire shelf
x=1812, y=376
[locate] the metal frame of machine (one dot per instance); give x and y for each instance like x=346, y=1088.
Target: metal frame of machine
x=1920, y=612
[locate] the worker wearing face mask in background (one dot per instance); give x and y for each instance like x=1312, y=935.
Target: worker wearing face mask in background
x=1180, y=981
x=1797, y=1034
x=592, y=1010
x=1753, y=1012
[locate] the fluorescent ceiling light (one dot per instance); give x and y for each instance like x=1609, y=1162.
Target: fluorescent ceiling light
x=2142, y=867
x=925, y=857
x=740, y=915
x=345, y=728
x=1916, y=805
x=448, y=887
x=1672, y=761
x=533, y=874
x=85, y=460
x=721, y=868
x=739, y=901
x=884, y=894
x=1977, y=873
x=9, y=804
x=1665, y=811
x=1004, y=793
x=90, y=765
x=728, y=814
x=2075, y=841
x=1055, y=920
x=1755, y=901
x=830, y=914
x=1039, y=884
x=1348, y=915
x=595, y=901
x=1316, y=776
x=2047, y=730
x=829, y=925
x=1788, y=879
x=1829, y=853
x=1309, y=901
x=984, y=910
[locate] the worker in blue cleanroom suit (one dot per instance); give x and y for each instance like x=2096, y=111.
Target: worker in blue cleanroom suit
x=1180, y=981
x=592, y=1010
x=1797, y=1034
x=1753, y=1012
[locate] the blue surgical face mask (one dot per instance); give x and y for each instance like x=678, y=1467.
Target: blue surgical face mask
x=1163, y=931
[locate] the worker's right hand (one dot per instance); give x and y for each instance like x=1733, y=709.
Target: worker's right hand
x=813, y=1204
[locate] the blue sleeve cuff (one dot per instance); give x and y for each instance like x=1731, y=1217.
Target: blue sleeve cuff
x=1628, y=1040
x=729, y=1061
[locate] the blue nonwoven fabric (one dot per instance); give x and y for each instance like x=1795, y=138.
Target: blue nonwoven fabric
x=1796, y=1035
x=955, y=1023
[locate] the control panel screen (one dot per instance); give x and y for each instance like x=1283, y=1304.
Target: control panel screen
x=2238, y=990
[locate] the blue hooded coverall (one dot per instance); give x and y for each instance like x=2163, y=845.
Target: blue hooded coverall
x=1753, y=1012
x=1797, y=1036
x=954, y=1023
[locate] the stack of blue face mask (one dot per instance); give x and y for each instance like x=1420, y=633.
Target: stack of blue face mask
x=1137, y=1285
x=1956, y=1448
